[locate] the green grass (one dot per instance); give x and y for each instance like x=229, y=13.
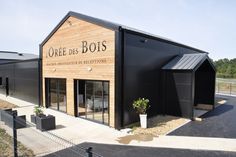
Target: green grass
x=226, y=86
x=6, y=146
x=225, y=80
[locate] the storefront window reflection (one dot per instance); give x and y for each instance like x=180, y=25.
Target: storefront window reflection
x=93, y=100
x=57, y=94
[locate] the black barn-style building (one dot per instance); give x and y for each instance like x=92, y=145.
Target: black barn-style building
x=173, y=76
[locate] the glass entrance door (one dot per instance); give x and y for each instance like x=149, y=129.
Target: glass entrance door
x=56, y=91
x=106, y=102
x=53, y=93
x=81, y=98
x=98, y=103
x=89, y=98
x=96, y=100
x=62, y=95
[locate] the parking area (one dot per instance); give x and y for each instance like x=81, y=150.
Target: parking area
x=221, y=122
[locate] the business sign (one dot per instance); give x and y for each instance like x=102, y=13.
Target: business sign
x=85, y=47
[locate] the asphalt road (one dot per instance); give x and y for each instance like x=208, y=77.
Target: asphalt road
x=134, y=151
x=220, y=122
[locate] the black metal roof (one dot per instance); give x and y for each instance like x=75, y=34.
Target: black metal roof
x=7, y=55
x=186, y=62
x=112, y=26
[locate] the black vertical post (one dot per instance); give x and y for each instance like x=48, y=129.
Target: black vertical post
x=89, y=152
x=14, y=134
x=218, y=87
x=7, y=86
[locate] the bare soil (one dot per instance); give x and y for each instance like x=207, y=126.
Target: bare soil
x=6, y=105
x=6, y=146
x=204, y=107
x=6, y=141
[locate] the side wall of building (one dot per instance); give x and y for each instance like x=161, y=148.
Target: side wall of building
x=23, y=80
x=178, y=93
x=3, y=61
x=143, y=60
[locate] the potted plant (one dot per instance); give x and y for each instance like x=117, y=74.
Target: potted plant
x=141, y=105
x=42, y=121
x=38, y=112
x=45, y=123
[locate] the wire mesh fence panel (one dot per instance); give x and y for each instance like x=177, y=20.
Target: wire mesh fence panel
x=225, y=86
x=33, y=142
x=233, y=91
x=6, y=147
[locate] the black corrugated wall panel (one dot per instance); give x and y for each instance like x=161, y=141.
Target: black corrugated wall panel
x=141, y=73
x=23, y=80
x=142, y=63
x=204, y=84
x=178, y=93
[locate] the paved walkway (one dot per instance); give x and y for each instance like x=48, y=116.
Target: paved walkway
x=220, y=123
x=77, y=131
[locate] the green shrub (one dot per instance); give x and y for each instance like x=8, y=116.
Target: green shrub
x=38, y=110
x=141, y=105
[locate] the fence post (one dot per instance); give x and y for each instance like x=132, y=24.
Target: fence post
x=89, y=152
x=14, y=114
x=230, y=88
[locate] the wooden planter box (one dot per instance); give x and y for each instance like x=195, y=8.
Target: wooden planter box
x=45, y=123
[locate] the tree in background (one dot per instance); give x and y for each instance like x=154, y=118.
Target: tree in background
x=226, y=68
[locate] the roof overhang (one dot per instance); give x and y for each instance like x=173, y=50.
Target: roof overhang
x=187, y=62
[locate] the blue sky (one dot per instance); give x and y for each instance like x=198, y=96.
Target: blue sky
x=209, y=25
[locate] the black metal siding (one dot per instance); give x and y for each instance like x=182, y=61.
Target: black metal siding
x=204, y=84
x=186, y=87
x=7, y=71
x=23, y=80
x=119, y=40
x=169, y=92
x=185, y=62
x=178, y=93
x=143, y=59
x=2, y=61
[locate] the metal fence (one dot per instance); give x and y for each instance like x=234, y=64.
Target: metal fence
x=36, y=143
x=226, y=86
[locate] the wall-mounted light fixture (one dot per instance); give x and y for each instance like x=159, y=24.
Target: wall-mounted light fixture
x=143, y=40
x=54, y=69
x=89, y=69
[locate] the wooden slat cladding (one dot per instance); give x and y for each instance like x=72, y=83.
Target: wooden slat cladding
x=64, y=55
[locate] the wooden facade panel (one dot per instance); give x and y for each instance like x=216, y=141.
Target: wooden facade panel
x=80, y=50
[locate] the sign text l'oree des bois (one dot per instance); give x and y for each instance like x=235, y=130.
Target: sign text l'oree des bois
x=85, y=47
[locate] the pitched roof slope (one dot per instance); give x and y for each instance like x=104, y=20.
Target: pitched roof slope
x=6, y=55
x=185, y=61
x=112, y=26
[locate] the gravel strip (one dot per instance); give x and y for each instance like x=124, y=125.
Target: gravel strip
x=6, y=105
x=160, y=125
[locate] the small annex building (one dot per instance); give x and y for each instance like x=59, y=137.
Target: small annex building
x=188, y=81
